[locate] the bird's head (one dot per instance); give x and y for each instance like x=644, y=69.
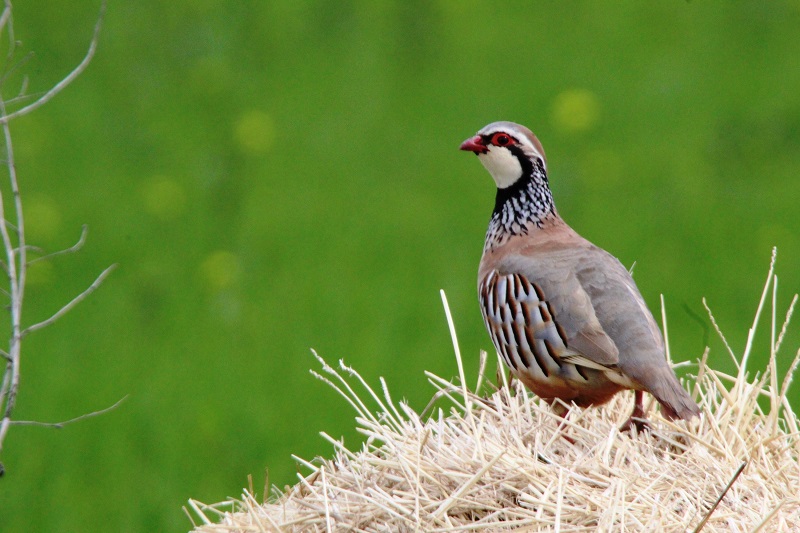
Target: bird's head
x=507, y=150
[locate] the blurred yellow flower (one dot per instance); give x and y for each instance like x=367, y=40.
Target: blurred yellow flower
x=219, y=270
x=254, y=132
x=163, y=198
x=575, y=111
x=42, y=219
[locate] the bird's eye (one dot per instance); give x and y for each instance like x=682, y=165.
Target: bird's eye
x=501, y=139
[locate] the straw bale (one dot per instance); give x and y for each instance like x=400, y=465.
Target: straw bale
x=502, y=461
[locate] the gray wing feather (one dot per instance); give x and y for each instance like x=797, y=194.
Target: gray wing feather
x=571, y=305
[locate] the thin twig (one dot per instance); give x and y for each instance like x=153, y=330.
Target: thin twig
x=75, y=301
x=12, y=234
x=23, y=88
x=4, y=18
x=16, y=282
x=61, y=85
x=725, y=491
x=60, y=425
x=72, y=249
x=21, y=97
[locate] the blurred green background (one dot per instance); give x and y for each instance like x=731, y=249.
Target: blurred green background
x=276, y=176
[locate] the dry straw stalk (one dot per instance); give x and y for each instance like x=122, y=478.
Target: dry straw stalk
x=500, y=461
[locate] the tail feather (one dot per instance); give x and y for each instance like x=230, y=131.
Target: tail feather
x=675, y=401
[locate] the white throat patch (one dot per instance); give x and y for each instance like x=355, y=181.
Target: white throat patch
x=502, y=165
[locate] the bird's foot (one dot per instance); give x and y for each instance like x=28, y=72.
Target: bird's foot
x=638, y=418
x=641, y=424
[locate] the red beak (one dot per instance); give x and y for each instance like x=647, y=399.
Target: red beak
x=474, y=144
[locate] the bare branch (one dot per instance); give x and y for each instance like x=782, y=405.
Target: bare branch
x=16, y=281
x=75, y=301
x=72, y=249
x=12, y=234
x=722, y=495
x=59, y=425
x=6, y=14
x=6, y=379
x=22, y=90
x=22, y=97
x=58, y=87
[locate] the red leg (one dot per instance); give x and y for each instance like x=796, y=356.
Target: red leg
x=637, y=418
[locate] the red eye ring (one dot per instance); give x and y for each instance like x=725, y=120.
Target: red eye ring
x=502, y=139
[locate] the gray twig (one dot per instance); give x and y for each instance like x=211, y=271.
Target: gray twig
x=60, y=425
x=722, y=495
x=12, y=233
x=72, y=249
x=69, y=78
x=75, y=301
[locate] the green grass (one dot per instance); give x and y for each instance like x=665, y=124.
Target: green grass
x=281, y=176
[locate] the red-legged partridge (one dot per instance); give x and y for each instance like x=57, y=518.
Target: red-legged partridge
x=565, y=315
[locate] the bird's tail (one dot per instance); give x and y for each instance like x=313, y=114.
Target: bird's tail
x=675, y=401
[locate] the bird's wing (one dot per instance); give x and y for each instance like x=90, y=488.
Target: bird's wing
x=567, y=317
x=532, y=330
